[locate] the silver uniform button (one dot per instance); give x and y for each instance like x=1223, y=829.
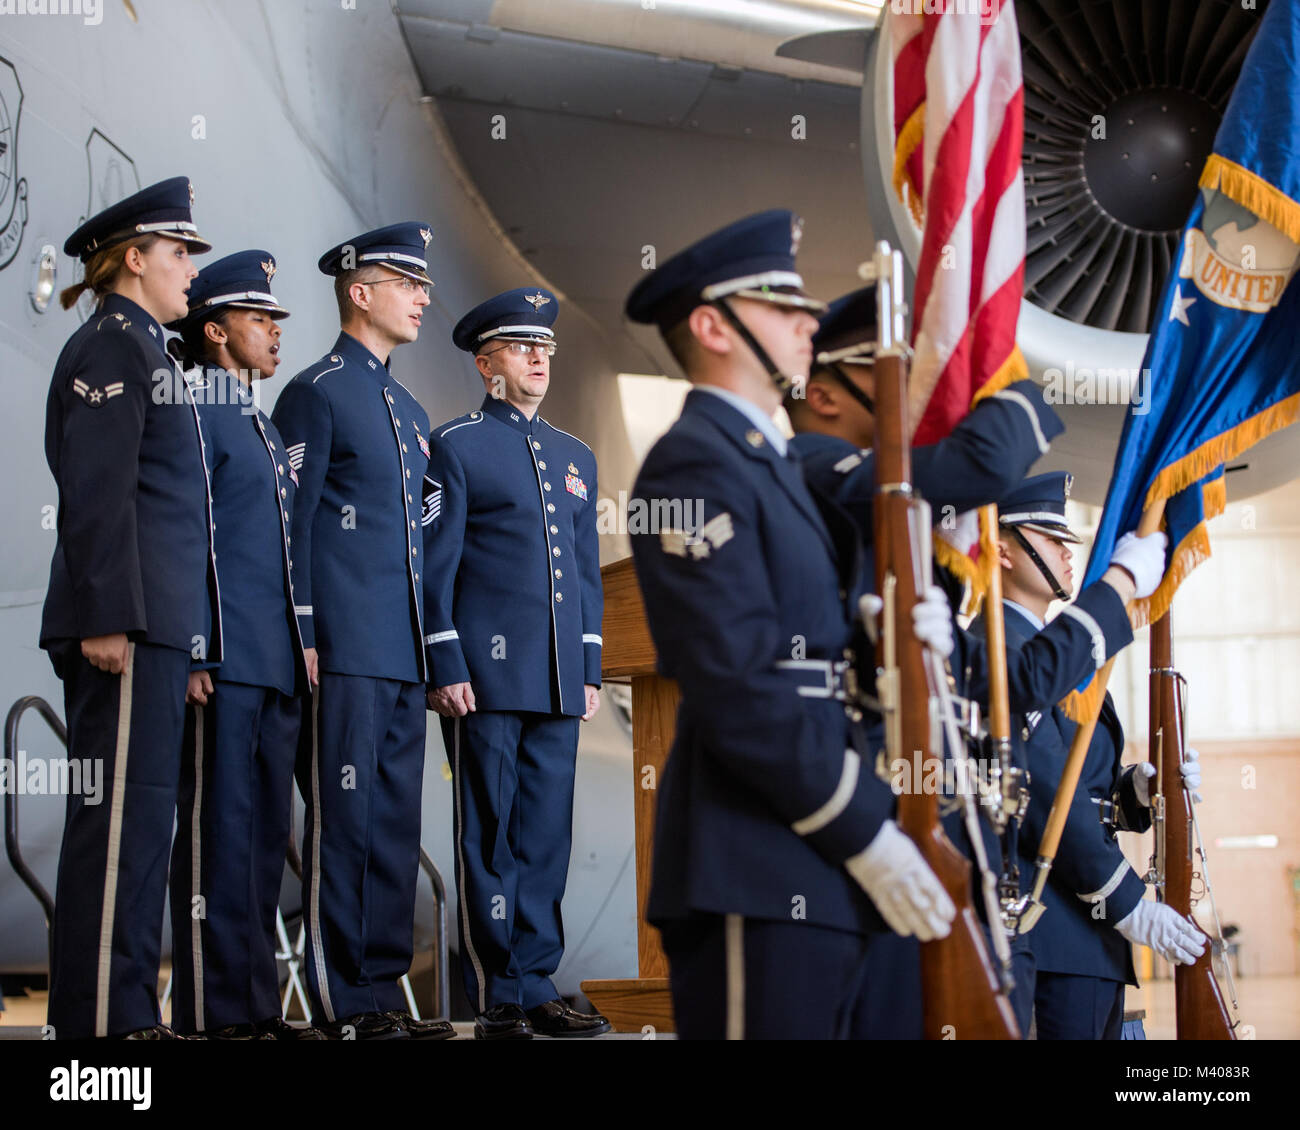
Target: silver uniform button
x=536, y=446
x=556, y=551
x=558, y=574
x=555, y=529
x=403, y=447
x=547, y=486
x=284, y=493
x=414, y=551
x=409, y=498
x=550, y=507
x=286, y=514
x=559, y=596
x=541, y=465
x=279, y=469
x=408, y=474
x=412, y=525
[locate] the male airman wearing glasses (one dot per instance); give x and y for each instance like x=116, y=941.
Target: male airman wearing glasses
x=513, y=638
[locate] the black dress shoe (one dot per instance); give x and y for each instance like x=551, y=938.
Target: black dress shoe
x=423, y=1029
x=555, y=1018
x=157, y=1032
x=236, y=1032
x=277, y=1028
x=364, y=1026
x=502, y=1022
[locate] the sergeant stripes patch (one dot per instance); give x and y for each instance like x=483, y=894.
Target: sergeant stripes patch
x=295, y=452
x=432, y=500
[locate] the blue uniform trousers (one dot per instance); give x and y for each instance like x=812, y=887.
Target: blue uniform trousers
x=361, y=769
x=513, y=777
x=1068, y=1006
x=751, y=979
x=232, y=836
x=889, y=1004
x=112, y=878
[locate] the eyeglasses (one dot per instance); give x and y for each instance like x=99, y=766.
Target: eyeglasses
x=408, y=285
x=525, y=348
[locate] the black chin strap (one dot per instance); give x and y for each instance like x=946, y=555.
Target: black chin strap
x=852, y=389
x=778, y=378
x=1048, y=575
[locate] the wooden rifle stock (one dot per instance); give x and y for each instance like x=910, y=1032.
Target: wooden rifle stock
x=960, y=990
x=1200, y=1011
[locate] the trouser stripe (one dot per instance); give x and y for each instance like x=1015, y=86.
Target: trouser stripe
x=118, y=804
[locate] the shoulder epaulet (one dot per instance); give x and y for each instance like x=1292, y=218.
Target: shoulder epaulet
x=117, y=321
x=564, y=433
x=330, y=363
x=459, y=422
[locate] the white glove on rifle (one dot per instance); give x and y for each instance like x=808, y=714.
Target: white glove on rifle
x=1143, y=559
x=931, y=619
x=1189, y=768
x=1159, y=926
x=900, y=883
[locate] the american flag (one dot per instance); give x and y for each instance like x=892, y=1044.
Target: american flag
x=958, y=127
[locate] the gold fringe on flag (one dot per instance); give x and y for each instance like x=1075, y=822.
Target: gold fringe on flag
x=1013, y=369
x=1252, y=191
x=1195, y=465
x=909, y=137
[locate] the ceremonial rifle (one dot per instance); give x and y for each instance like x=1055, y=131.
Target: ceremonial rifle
x=1200, y=1011
x=961, y=993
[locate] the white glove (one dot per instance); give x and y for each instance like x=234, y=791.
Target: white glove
x=1191, y=772
x=1143, y=559
x=900, y=883
x=869, y=607
x=932, y=622
x=1159, y=926
x=1189, y=768
x=931, y=619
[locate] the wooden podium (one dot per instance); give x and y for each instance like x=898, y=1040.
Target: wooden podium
x=628, y=655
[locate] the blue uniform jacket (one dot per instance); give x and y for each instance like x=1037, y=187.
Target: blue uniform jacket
x=762, y=800
x=989, y=451
x=515, y=601
x=358, y=441
x=1089, y=864
x=253, y=488
x=122, y=438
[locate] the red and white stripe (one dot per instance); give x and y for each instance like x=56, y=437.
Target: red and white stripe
x=970, y=276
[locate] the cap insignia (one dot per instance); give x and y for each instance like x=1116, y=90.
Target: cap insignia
x=796, y=234
x=426, y=235
x=536, y=301
x=268, y=265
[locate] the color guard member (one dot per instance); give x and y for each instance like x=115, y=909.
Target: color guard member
x=773, y=836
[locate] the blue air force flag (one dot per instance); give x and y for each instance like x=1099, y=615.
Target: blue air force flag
x=1224, y=356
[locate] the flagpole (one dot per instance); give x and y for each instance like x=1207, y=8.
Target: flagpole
x=1150, y=523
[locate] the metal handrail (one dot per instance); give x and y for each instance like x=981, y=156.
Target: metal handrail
x=12, y=848
x=441, y=985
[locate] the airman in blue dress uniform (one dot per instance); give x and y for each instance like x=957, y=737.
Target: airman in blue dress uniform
x=986, y=456
x=130, y=601
x=241, y=730
x=1095, y=908
x=775, y=854
x=358, y=441
x=513, y=632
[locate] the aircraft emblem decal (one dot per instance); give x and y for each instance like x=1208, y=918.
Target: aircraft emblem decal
x=13, y=189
